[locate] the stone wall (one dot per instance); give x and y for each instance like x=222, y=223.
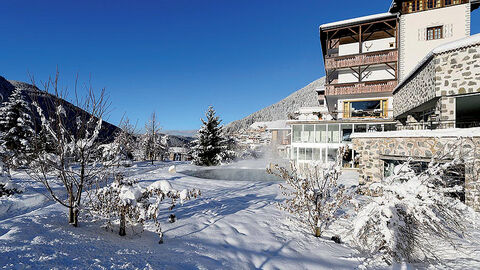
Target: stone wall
x=448, y=74
x=372, y=151
x=458, y=72
x=417, y=91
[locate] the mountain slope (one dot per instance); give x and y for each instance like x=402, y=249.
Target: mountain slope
x=46, y=101
x=305, y=97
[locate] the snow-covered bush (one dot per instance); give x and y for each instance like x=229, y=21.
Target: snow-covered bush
x=313, y=195
x=414, y=216
x=124, y=201
x=7, y=187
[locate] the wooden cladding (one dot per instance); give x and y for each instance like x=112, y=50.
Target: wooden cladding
x=372, y=58
x=360, y=88
x=422, y=5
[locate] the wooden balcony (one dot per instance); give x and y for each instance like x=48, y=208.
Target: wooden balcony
x=360, y=88
x=355, y=60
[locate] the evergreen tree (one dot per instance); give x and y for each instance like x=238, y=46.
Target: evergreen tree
x=210, y=147
x=16, y=128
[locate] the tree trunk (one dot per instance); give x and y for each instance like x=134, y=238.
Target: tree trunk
x=122, y=223
x=75, y=217
x=71, y=214
x=317, y=232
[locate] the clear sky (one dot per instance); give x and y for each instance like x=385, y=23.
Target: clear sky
x=175, y=57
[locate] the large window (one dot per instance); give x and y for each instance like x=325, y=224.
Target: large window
x=307, y=135
x=333, y=133
x=297, y=133
x=435, y=33
x=366, y=108
x=320, y=133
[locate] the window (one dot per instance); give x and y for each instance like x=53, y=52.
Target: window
x=435, y=33
x=448, y=2
x=307, y=135
x=431, y=3
x=333, y=133
x=320, y=133
x=366, y=108
x=297, y=133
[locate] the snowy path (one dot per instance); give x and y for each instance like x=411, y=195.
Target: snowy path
x=234, y=225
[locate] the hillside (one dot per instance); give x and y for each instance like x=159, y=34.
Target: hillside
x=46, y=100
x=305, y=97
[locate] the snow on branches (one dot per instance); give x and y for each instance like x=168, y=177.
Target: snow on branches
x=211, y=147
x=125, y=201
x=16, y=130
x=313, y=195
x=73, y=162
x=415, y=217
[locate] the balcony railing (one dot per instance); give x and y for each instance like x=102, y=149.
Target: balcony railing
x=371, y=58
x=360, y=88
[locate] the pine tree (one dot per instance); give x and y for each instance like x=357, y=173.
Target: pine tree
x=210, y=147
x=16, y=127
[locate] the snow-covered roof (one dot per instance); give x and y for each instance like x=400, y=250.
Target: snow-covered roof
x=357, y=20
x=436, y=133
x=279, y=124
x=447, y=47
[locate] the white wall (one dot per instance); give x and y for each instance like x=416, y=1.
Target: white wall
x=413, y=27
x=374, y=73
x=378, y=45
x=368, y=46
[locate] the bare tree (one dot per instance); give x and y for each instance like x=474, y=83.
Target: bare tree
x=75, y=135
x=154, y=143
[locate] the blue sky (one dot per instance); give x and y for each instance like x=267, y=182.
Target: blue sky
x=175, y=57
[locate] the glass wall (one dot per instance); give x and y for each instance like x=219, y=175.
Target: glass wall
x=334, y=133
x=320, y=133
x=297, y=132
x=308, y=133
x=347, y=130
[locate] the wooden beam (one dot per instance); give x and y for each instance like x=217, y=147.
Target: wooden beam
x=388, y=33
x=360, y=42
x=391, y=27
x=394, y=69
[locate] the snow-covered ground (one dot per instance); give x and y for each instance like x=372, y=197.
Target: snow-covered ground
x=233, y=225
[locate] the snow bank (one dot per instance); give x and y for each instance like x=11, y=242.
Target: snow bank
x=162, y=185
x=437, y=133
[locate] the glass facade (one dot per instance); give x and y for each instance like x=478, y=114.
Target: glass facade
x=320, y=142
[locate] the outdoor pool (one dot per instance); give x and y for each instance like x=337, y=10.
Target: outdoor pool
x=233, y=174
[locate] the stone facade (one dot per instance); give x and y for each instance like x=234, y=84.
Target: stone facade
x=373, y=151
x=445, y=75
x=417, y=91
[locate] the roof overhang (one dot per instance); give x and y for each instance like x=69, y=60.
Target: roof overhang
x=341, y=25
